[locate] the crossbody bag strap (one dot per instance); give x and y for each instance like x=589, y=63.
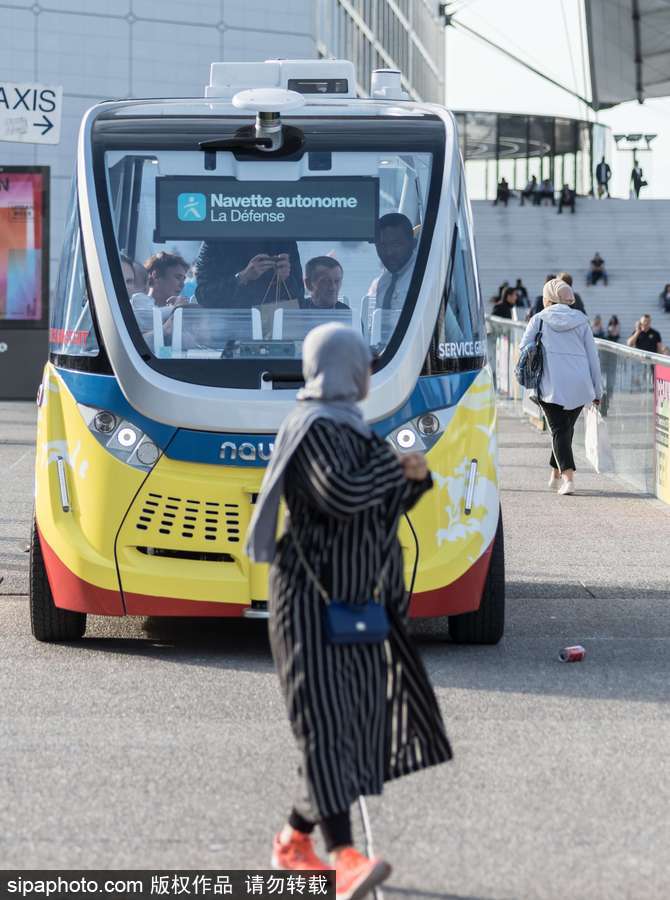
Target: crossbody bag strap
x=376, y=593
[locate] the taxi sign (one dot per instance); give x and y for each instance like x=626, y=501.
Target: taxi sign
x=30, y=113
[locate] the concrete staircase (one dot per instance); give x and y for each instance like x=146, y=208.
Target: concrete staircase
x=530, y=242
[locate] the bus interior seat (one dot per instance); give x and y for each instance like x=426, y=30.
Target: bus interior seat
x=215, y=327
x=383, y=325
x=294, y=324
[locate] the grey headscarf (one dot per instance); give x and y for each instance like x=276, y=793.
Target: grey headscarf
x=335, y=366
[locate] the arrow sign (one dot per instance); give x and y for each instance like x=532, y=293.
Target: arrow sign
x=30, y=113
x=46, y=124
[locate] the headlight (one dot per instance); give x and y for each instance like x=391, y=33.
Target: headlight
x=127, y=437
x=428, y=424
x=121, y=438
x=104, y=422
x=419, y=434
x=406, y=438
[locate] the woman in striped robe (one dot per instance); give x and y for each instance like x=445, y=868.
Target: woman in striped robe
x=361, y=714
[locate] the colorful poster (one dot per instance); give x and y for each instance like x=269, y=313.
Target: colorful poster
x=662, y=430
x=22, y=227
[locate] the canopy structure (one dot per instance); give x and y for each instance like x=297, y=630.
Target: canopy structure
x=629, y=50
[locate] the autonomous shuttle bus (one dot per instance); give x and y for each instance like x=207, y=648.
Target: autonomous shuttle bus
x=206, y=237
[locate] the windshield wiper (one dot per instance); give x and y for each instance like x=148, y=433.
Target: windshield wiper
x=282, y=378
x=236, y=143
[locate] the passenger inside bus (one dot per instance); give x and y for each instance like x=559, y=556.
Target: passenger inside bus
x=165, y=278
x=240, y=274
x=396, y=248
x=141, y=277
x=166, y=275
x=323, y=281
x=128, y=274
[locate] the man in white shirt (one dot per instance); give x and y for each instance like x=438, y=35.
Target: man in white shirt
x=396, y=248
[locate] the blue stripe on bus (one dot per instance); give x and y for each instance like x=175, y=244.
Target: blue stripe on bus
x=431, y=392
x=247, y=450
x=103, y=392
x=217, y=448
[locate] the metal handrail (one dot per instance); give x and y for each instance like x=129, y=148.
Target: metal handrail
x=611, y=346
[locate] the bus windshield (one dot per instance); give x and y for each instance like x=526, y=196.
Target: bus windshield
x=237, y=260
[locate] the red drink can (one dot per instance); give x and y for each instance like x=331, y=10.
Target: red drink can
x=572, y=654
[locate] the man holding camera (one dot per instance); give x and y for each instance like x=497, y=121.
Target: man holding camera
x=234, y=274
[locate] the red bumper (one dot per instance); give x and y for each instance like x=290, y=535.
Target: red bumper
x=462, y=595
x=71, y=592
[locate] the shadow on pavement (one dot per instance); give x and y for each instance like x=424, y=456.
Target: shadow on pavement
x=582, y=590
x=217, y=643
x=525, y=662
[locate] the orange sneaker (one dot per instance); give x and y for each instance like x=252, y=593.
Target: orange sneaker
x=355, y=874
x=297, y=853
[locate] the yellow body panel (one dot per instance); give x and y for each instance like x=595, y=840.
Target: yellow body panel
x=100, y=487
x=451, y=541
x=200, y=509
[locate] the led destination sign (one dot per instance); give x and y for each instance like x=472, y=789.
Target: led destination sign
x=202, y=207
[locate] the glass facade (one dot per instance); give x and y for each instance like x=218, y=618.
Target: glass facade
x=516, y=147
x=386, y=34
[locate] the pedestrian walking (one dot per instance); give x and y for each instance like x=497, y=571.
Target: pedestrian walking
x=603, y=175
x=637, y=178
x=361, y=713
x=570, y=378
x=521, y=293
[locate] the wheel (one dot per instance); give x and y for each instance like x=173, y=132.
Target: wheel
x=486, y=624
x=47, y=621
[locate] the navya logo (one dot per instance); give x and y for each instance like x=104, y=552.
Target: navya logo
x=191, y=207
x=246, y=452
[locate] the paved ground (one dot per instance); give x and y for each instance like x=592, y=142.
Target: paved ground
x=164, y=744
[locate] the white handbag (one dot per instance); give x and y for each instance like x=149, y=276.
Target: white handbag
x=597, y=442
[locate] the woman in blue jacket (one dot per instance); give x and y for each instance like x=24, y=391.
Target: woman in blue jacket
x=571, y=375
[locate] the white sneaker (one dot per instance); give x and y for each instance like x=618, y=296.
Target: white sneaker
x=568, y=487
x=554, y=481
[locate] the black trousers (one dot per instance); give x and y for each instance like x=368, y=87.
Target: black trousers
x=336, y=829
x=561, y=423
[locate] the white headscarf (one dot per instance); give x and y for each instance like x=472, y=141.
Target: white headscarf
x=335, y=366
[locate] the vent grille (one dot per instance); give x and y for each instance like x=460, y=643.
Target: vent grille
x=187, y=554
x=197, y=520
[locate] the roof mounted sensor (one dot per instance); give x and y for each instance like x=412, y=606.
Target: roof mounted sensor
x=320, y=79
x=268, y=104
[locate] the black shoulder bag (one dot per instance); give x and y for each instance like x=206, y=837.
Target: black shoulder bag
x=529, y=368
x=350, y=623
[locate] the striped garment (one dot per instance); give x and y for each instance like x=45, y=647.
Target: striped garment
x=362, y=714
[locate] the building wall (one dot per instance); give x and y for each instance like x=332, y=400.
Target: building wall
x=113, y=49
x=376, y=34
x=110, y=49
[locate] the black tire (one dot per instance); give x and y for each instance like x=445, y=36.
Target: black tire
x=48, y=622
x=487, y=624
